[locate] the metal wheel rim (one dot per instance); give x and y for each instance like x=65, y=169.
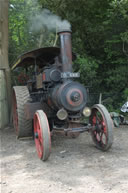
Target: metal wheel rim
x=101, y=134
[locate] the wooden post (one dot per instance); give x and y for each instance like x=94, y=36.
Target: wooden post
x=5, y=78
x=100, y=98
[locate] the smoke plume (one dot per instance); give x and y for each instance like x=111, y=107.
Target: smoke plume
x=48, y=20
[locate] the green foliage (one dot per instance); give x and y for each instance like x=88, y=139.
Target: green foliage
x=21, y=38
x=87, y=67
x=117, y=79
x=99, y=37
x=125, y=94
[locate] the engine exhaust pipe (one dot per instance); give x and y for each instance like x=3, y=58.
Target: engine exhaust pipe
x=66, y=50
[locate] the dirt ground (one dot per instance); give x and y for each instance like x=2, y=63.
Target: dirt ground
x=75, y=165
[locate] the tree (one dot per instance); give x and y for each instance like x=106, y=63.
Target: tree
x=99, y=38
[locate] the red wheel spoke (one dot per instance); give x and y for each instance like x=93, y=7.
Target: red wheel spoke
x=98, y=119
x=98, y=137
x=102, y=127
x=94, y=120
x=101, y=137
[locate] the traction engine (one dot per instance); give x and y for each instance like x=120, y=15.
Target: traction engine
x=51, y=100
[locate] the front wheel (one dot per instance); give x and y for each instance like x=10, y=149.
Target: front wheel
x=42, y=135
x=102, y=127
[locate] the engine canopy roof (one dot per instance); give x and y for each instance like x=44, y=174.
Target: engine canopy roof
x=42, y=57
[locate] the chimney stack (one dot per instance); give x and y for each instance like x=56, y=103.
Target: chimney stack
x=66, y=50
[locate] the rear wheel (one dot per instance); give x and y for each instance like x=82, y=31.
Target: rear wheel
x=102, y=130
x=22, y=126
x=42, y=135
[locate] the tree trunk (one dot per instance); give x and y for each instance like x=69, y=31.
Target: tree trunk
x=5, y=80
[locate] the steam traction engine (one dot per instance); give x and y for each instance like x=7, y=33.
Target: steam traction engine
x=51, y=100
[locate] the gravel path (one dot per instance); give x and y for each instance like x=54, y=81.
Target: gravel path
x=75, y=165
